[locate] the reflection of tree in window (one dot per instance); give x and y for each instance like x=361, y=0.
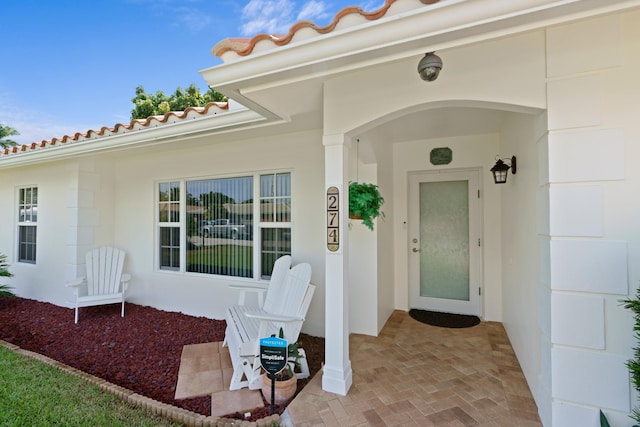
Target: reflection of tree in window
x=169, y=201
x=224, y=242
x=215, y=205
x=276, y=242
x=169, y=218
x=216, y=235
x=275, y=197
x=170, y=248
x=275, y=215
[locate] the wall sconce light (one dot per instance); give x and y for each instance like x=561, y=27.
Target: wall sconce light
x=429, y=67
x=500, y=169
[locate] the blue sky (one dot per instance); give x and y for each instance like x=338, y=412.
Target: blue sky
x=70, y=65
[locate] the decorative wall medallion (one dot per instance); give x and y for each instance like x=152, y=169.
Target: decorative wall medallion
x=441, y=156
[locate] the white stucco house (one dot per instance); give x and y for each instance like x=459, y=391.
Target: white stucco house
x=550, y=253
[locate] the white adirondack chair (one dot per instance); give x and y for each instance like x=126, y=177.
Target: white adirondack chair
x=278, y=277
x=285, y=306
x=104, y=283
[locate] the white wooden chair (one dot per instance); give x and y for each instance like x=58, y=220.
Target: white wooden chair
x=278, y=276
x=104, y=283
x=285, y=306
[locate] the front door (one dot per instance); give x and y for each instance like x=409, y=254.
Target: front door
x=444, y=242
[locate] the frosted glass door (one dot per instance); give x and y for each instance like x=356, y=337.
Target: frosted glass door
x=444, y=237
x=444, y=242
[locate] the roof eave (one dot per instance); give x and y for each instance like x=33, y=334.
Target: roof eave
x=438, y=26
x=196, y=127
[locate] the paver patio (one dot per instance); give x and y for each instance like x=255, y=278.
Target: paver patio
x=414, y=374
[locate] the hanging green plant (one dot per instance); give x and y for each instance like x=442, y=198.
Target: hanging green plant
x=365, y=202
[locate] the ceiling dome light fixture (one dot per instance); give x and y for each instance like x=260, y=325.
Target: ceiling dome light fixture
x=429, y=67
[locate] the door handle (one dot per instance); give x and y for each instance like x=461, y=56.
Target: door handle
x=416, y=250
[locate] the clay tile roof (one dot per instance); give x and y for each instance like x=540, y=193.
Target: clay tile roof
x=245, y=46
x=119, y=128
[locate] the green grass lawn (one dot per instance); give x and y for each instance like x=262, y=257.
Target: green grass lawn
x=35, y=394
x=222, y=256
x=232, y=260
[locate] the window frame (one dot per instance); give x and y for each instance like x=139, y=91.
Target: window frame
x=257, y=227
x=27, y=221
x=274, y=223
x=160, y=225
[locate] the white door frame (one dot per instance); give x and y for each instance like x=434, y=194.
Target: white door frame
x=475, y=303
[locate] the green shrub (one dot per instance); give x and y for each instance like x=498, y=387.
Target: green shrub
x=634, y=364
x=5, y=290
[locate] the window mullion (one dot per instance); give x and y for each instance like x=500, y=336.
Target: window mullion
x=257, y=230
x=183, y=226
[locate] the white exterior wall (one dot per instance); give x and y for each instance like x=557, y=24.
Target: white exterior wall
x=371, y=290
x=75, y=213
x=519, y=245
x=111, y=200
x=90, y=211
x=370, y=97
x=386, y=236
x=593, y=237
x=45, y=280
x=363, y=277
x=198, y=294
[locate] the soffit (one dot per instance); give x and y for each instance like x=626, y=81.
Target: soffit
x=282, y=76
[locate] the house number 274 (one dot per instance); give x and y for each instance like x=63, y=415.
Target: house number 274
x=333, y=219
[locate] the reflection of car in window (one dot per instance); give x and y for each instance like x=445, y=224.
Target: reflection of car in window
x=221, y=228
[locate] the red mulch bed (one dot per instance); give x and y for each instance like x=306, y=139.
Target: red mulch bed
x=140, y=351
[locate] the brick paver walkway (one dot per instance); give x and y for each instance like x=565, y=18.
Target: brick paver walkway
x=414, y=374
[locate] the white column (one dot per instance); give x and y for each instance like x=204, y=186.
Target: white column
x=337, y=375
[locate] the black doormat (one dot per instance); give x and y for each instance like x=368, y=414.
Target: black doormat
x=444, y=320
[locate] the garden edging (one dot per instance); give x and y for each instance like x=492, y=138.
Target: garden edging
x=174, y=413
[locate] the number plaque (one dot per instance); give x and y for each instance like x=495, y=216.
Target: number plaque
x=333, y=219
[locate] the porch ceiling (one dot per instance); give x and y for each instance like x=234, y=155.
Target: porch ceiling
x=438, y=123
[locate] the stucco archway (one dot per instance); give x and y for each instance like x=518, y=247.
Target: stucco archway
x=386, y=149
x=478, y=131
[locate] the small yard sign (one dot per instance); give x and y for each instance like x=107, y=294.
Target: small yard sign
x=273, y=354
x=273, y=358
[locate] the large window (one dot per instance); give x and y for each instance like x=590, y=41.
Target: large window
x=216, y=232
x=27, y=224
